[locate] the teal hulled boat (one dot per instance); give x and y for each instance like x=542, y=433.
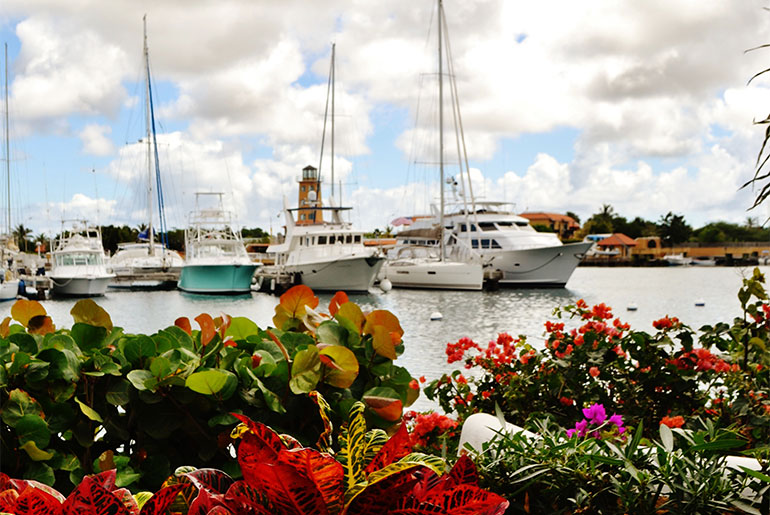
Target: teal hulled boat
x=216, y=260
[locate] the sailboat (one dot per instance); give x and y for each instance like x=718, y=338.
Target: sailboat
x=324, y=254
x=148, y=264
x=9, y=282
x=429, y=266
x=216, y=260
x=513, y=253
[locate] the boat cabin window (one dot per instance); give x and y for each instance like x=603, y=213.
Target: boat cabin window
x=464, y=228
x=322, y=240
x=349, y=238
x=78, y=259
x=522, y=224
x=357, y=238
x=485, y=244
x=487, y=226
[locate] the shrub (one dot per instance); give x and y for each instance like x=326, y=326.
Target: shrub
x=92, y=398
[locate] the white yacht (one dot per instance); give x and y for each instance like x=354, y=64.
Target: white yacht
x=512, y=251
x=148, y=264
x=326, y=255
x=78, y=264
x=216, y=260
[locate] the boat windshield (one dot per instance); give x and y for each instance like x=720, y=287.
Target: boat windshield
x=80, y=258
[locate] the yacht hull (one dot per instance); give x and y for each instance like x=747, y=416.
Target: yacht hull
x=221, y=279
x=80, y=286
x=342, y=274
x=9, y=289
x=543, y=266
x=435, y=275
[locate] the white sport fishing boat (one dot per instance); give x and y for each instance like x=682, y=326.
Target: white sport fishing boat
x=78, y=264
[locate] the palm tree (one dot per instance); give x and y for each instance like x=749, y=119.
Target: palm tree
x=21, y=233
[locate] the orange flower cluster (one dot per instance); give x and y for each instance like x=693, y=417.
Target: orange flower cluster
x=672, y=422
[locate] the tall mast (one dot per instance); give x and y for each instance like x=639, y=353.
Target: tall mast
x=334, y=47
x=7, y=149
x=149, y=139
x=441, y=129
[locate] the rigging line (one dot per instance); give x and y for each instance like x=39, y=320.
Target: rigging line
x=326, y=114
x=158, y=181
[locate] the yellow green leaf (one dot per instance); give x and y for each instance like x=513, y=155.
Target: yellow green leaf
x=35, y=454
x=351, y=312
x=324, y=443
x=352, y=454
x=41, y=324
x=88, y=411
x=5, y=327
x=382, y=317
x=340, y=366
x=296, y=298
x=86, y=311
x=23, y=310
x=383, y=342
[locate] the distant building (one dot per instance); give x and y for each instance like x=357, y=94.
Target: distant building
x=565, y=226
x=309, y=197
x=619, y=242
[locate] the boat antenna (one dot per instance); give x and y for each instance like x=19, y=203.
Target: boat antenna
x=441, y=129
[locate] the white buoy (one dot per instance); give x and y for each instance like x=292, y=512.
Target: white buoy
x=386, y=285
x=436, y=316
x=700, y=303
x=631, y=307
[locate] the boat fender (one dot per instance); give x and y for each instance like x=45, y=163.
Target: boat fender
x=386, y=285
x=435, y=316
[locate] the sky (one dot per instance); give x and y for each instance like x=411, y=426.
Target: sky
x=565, y=106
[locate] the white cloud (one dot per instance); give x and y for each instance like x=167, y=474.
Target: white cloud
x=95, y=141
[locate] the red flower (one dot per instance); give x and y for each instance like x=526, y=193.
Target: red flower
x=422, y=379
x=566, y=401
x=594, y=371
x=414, y=385
x=676, y=421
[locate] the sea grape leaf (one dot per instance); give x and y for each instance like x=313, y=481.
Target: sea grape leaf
x=24, y=310
x=64, y=365
x=208, y=382
x=338, y=300
x=88, y=411
x=41, y=324
x=341, y=365
x=383, y=343
x=137, y=347
x=331, y=333
x=296, y=298
x=208, y=331
x=34, y=453
x=33, y=428
x=86, y=311
x=118, y=393
x=184, y=324
x=305, y=370
x=351, y=313
x=19, y=404
x=5, y=327
x=241, y=328
x=142, y=379
x=382, y=317
x=385, y=402
x=90, y=338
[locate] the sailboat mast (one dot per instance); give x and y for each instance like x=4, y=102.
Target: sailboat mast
x=149, y=140
x=334, y=49
x=7, y=149
x=441, y=129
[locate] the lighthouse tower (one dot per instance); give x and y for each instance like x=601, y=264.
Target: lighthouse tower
x=309, y=197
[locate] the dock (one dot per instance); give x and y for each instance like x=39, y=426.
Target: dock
x=273, y=279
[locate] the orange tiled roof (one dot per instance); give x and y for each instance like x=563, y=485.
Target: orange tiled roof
x=616, y=240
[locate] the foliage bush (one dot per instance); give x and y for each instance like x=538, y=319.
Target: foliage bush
x=92, y=398
x=369, y=474
x=721, y=373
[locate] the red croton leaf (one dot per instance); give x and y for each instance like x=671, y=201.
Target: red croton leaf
x=381, y=497
x=206, y=501
x=91, y=498
x=207, y=328
x=338, y=300
x=8, y=500
x=106, y=478
x=213, y=479
x=125, y=496
x=322, y=469
x=259, y=444
x=288, y=491
x=34, y=501
x=469, y=500
x=244, y=499
x=184, y=324
x=397, y=446
x=158, y=504
x=463, y=473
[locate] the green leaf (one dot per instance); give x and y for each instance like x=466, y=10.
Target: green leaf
x=271, y=399
x=119, y=393
x=32, y=428
x=142, y=379
x=331, y=333
x=208, y=382
x=666, y=437
x=19, y=404
x=34, y=453
x=160, y=367
x=39, y=471
x=64, y=364
x=88, y=337
x=305, y=370
x=241, y=328
x=88, y=411
x=137, y=347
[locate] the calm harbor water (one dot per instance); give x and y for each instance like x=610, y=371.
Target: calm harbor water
x=654, y=292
